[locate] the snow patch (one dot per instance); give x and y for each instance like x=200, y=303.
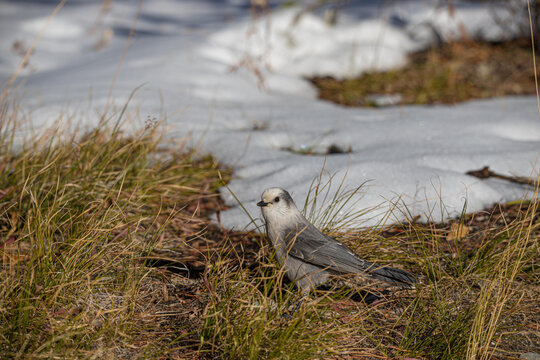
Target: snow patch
x=234, y=87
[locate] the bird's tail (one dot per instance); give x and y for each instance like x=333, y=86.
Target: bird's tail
x=392, y=276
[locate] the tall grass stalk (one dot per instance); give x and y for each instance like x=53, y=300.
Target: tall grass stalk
x=496, y=293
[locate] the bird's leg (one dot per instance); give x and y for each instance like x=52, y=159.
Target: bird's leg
x=289, y=314
x=299, y=303
x=295, y=308
x=305, y=294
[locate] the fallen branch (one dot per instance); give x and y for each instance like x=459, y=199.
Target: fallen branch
x=485, y=173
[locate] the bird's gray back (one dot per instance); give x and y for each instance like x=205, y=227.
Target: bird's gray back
x=310, y=245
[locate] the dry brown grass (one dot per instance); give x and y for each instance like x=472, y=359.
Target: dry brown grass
x=107, y=252
x=80, y=217
x=451, y=73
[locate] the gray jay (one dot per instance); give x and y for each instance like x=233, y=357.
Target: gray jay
x=310, y=257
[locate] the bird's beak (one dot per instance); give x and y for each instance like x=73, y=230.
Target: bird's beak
x=262, y=203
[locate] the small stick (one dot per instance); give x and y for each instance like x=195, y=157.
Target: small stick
x=485, y=173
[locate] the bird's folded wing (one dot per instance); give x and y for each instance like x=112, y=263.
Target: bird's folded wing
x=310, y=245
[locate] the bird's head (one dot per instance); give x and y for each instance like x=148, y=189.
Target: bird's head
x=278, y=206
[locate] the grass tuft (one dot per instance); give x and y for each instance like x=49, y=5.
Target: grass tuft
x=78, y=215
x=258, y=315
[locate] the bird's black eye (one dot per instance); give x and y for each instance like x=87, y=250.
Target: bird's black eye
x=276, y=199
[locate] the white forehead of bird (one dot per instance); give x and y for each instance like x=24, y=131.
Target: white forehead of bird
x=269, y=195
